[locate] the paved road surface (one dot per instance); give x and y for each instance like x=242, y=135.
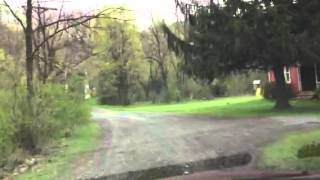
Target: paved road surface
x=138, y=141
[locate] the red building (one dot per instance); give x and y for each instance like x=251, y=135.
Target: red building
x=301, y=77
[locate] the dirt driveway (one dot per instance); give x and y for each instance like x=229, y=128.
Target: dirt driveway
x=139, y=141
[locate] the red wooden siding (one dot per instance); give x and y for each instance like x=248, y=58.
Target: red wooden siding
x=295, y=78
x=271, y=77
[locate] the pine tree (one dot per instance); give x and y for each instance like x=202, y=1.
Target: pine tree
x=241, y=35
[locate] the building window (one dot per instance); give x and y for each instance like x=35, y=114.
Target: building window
x=287, y=75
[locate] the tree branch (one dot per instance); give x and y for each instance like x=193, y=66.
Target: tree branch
x=88, y=18
x=59, y=31
x=15, y=15
x=100, y=14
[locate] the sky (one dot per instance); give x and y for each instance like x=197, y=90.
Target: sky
x=143, y=10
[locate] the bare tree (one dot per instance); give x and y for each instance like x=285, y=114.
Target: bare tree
x=157, y=53
x=75, y=43
x=31, y=48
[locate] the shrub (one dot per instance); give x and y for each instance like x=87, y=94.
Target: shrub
x=204, y=92
x=108, y=99
x=269, y=91
x=309, y=150
x=175, y=95
x=196, y=90
x=76, y=84
x=240, y=83
x=218, y=90
x=160, y=97
x=6, y=129
x=53, y=111
x=69, y=109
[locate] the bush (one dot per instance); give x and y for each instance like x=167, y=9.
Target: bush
x=160, y=97
x=269, y=91
x=218, y=90
x=52, y=113
x=69, y=109
x=195, y=90
x=6, y=129
x=108, y=100
x=204, y=93
x=309, y=150
x=240, y=83
x=174, y=95
x=76, y=84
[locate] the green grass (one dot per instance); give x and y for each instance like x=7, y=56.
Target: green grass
x=83, y=139
x=282, y=155
x=231, y=107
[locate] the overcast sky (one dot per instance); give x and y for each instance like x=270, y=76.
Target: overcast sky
x=143, y=10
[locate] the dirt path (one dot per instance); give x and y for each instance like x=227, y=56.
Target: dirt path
x=138, y=141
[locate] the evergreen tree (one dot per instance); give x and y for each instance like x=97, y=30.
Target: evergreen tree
x=257, y=34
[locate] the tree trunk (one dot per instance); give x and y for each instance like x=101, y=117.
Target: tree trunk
x=123, y=87
x=165, y=81
x=281, y=96
x=146, y=89
x=29, y=51
x=48, y=64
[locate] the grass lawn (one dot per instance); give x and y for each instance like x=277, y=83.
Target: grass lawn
x=83, y=139
x=231, y=107
x=283, y=153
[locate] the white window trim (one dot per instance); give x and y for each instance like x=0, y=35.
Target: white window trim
x=316, y=72
x=286, y=71
x=269, y=76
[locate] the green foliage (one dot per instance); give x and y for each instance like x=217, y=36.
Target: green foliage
x=7, y=129
x=282, y=154
x=204, y=93
x=240, y=35
x=192, y=89
x=218, y=89
x=175, y=95
x=53, y=113
x=2, y=54
x=69, y=109
x=123, y=62
x=106, y=90
x=241, y=83
x=76, y=84
x=164, y=96
x=309, y=150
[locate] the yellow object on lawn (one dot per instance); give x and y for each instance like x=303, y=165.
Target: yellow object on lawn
x=258, y=91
